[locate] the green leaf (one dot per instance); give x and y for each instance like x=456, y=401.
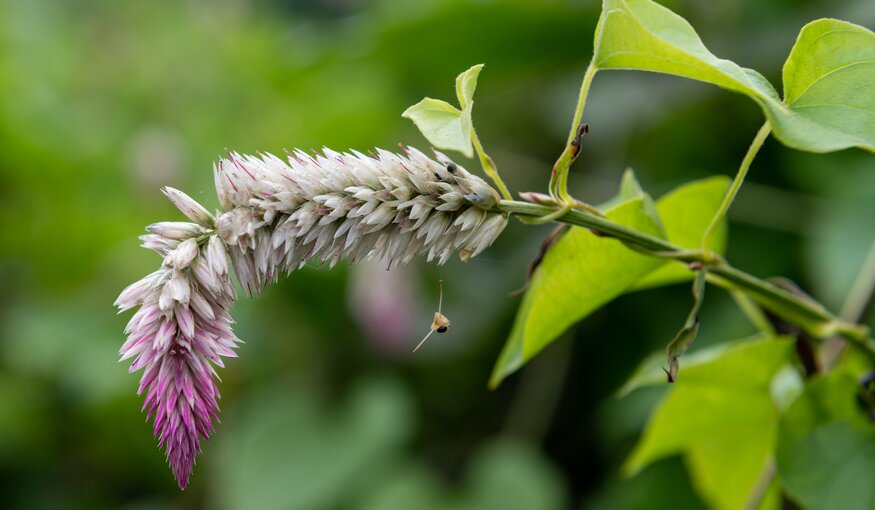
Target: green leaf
x=826, y=448
x=720, y=416
x=466, y=83
x=630, y=188
x=686, y=213
x=582, y=272
x=829, y=97
x=650, y=372
x=829, y=87
x=578, y=275
x=643, y=35
x=443, y=125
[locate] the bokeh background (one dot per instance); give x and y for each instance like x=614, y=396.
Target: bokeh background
x=102, y=102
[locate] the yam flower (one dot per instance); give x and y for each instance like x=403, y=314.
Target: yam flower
x=277, y=216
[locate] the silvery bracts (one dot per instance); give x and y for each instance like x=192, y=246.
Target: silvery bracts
x=331, y=206
x=277, y=216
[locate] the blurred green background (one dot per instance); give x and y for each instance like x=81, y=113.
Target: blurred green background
x=104, y=102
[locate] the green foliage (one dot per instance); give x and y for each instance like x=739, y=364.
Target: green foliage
x=643, y=35
x=503, y=474
x=443, y=125
x=828, y=89
x=721, y=417
x=686, y=212
x=826, y=447
x=825, y=107
x=583, y=271
x=289, y=436
x=107, y=101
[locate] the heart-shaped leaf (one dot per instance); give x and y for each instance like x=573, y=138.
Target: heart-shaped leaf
x=829, y=77
x=829, y=89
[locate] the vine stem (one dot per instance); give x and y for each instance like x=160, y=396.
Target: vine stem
x=488, y=165
x=755, y=145
x=807, y=313
x=863, y=289
x=581, y=101
x=854, y=307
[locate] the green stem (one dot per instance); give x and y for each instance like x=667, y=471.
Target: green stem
x=489, y=166
x=559, y=176
x=581, y=101
x=809, y=314
x=854, y=307
x=755, y=145
x=862, y=291
x=753, y=312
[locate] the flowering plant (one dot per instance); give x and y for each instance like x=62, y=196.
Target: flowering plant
x=280, y=214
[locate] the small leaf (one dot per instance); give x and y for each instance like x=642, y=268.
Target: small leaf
x=630, y=188
x=443, y=125
x=720, y=416
x=826, y=448
x=578, y=275
x=466, y=83
x=829, y=87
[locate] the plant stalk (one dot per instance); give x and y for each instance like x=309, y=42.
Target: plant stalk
x=755, y=145
x=581, y=101
x=807, y=313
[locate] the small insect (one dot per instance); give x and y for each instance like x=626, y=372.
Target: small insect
x=440, y=324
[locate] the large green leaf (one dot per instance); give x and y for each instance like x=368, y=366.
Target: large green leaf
x=578, y=275
x=686, y=213
x=721, y=417
x=829, y=77
x=643, y=35
x=826, y=449
x=443, y=125
x=582, y=272
x=829, y=86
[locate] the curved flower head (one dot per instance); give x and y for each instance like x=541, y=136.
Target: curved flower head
x=278, y=215
x=333, y=206
x=179, y=334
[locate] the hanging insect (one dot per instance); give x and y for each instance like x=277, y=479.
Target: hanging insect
x=440, y=323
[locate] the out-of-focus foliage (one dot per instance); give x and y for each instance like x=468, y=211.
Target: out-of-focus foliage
x=826, y=447
x=102, y=102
